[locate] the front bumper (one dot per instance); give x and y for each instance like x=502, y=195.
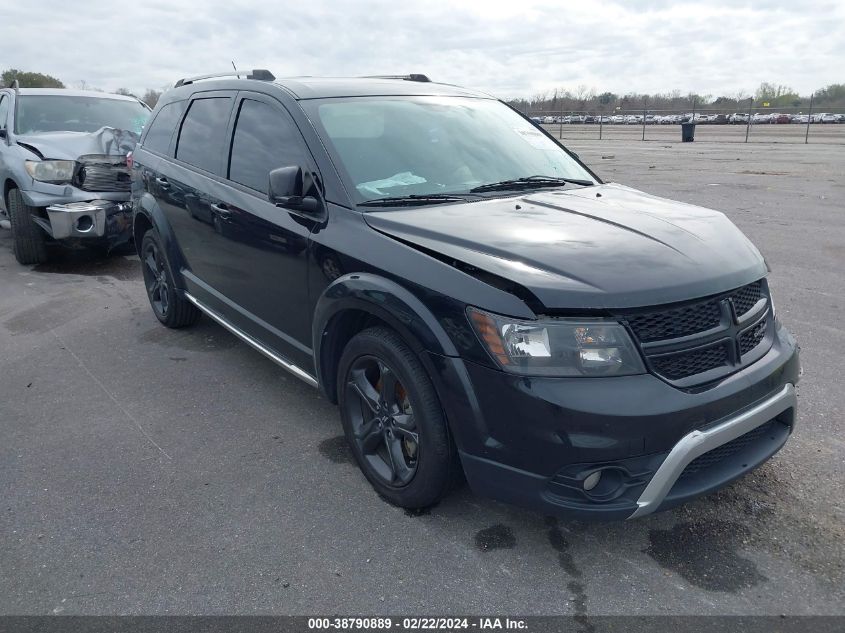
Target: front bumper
x=88, y=220
x=533, y=441
x=697, y=443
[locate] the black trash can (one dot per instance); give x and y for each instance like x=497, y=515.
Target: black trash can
x=687, y=132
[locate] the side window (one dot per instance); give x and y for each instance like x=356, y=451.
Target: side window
x=201, y=136
x=4, y=111
x=265, y=138
x=161, y=129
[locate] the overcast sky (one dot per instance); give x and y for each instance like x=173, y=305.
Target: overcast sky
x=510, y=49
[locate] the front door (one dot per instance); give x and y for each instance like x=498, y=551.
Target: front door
x=260, y=249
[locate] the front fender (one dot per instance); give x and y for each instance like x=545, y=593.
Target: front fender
x=385, y=299
x=404, y=312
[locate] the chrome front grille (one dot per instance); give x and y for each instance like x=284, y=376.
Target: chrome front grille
x=703, y=340
x=102, y=173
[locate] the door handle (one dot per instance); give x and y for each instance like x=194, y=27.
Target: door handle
x=222, y=211
x=162, y=182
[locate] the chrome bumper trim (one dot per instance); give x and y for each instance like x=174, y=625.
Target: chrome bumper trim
x=696, y=443
x=246, y=338
x=65, y=218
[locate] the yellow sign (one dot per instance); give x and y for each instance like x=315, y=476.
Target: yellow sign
x=765, y=104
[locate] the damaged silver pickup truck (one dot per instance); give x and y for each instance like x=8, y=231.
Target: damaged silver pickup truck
x=63, y=168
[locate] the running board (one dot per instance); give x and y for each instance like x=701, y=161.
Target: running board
x=249, y=340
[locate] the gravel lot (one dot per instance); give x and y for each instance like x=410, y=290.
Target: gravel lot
x=148, y=471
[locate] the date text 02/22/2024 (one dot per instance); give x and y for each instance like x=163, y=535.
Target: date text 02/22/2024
x=411, y=623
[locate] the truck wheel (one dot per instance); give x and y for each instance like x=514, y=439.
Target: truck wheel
x=29, y=240
x=393, y=420
x=170, y=307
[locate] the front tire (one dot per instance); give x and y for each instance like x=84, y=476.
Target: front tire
x=169, y=306
x=29, y=241
x=393, y=420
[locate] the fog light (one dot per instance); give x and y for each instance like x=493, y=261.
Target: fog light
x=84, y=224
x=592, y=480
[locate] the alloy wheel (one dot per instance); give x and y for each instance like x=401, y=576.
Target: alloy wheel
x=383, y=424
x=155, y=279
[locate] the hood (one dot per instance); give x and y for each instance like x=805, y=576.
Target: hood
x=72, y=145
x=607, y=246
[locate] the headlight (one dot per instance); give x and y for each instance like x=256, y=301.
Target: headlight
x=57, y=171
x=558, y=347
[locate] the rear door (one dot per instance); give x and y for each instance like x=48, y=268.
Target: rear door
x=188, y=186
x=263, y=248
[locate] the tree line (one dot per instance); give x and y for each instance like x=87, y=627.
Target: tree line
x=40, y=80
x=582, y=99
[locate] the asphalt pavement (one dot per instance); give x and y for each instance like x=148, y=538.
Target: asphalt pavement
x=151, y=471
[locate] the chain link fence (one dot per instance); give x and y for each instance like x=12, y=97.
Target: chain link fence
x=745, y=125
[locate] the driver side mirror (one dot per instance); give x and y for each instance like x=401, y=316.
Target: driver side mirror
x=293, y=188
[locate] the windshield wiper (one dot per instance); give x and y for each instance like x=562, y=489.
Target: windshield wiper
x=413, y=200
x=529, y=182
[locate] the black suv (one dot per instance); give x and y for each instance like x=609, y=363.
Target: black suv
x=473, y=297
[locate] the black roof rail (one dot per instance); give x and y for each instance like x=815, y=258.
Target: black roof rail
x=412, y=77
x=259, y=73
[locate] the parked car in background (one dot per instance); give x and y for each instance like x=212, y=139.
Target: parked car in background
x=800, y=118
x=761, y=117
x=827, y=117
x=634, y=369
x=738, y=117
x=63, y=166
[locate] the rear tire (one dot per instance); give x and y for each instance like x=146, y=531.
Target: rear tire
x=29, y=240
x=169, y=306
x=393, y=420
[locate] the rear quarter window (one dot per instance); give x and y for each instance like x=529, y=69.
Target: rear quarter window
x=161, y=129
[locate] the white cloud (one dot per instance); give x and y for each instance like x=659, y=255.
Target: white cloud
x=504, y=47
